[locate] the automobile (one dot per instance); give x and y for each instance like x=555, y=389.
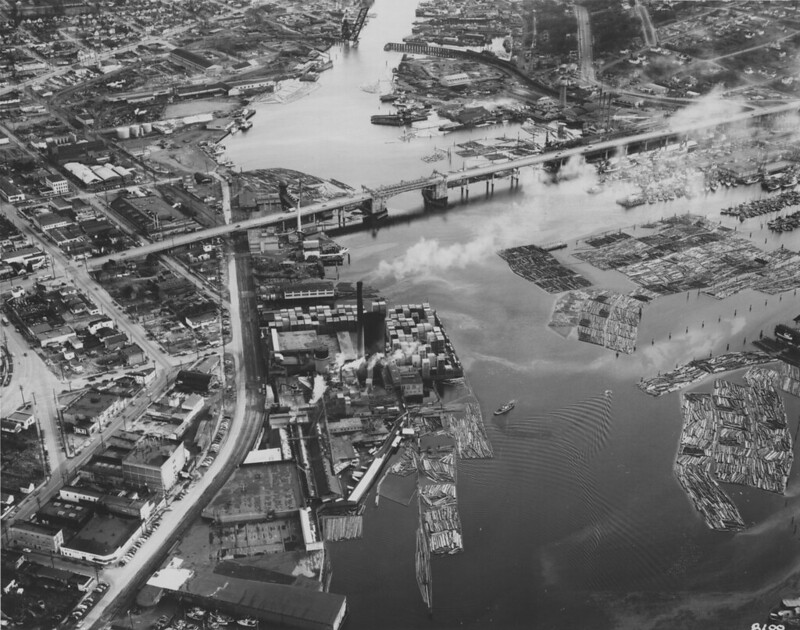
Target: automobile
x=26, y=550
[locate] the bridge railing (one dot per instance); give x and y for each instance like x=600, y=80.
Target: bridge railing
x=403, y=186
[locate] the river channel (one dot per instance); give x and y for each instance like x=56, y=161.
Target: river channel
x=578, y=521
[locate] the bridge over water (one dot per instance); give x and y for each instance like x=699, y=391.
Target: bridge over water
x=435, y=187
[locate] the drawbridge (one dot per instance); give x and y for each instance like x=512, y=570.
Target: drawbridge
x=351, y=31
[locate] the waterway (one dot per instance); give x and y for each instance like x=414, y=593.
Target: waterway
x=578, y=521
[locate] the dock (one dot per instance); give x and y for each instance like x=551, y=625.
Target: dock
x=757, y=207
x=691, y=372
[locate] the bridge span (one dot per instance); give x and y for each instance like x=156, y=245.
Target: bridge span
x=435, y=187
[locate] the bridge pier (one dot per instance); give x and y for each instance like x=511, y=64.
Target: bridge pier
x=435, y=196
x=378, y=204
x=514, y=178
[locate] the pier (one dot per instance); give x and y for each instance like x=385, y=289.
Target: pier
x=435, y=188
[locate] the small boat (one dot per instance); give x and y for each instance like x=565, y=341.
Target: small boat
x=505, y=408
x=247, y=623
x=631, y=201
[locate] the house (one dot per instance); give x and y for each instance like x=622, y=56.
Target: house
x=9, y=427
x=9, y=584
x=97, y=324
x=25, y=419
x=144, y=376
x=114, y=342
x=133, y=354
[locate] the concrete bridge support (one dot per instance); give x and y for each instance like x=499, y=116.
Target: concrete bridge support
x=435, y=196
x=378, y=205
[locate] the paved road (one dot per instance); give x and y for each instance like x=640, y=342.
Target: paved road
x=650, y=34
x=66, y=469
x=32, y=380
x=585, y=57
x=247, y=420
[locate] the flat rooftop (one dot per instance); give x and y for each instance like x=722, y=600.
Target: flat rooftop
x=103, y=534
x=299, y=607
x=91, y=404
x=297, y=341
x=254, y=491
x=151, y=453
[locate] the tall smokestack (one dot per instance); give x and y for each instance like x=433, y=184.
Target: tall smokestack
x=360, y=317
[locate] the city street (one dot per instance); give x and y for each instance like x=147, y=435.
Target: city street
x=32, y=381
x=247, y=419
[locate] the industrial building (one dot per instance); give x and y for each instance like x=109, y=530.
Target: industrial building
x=191, y=61
x=152, y=216
x=154, y=464
x=103, y=539
x=274, y=603
x=33, y=536
x=91, y=410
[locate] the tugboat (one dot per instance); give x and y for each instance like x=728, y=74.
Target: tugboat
x=505, y=408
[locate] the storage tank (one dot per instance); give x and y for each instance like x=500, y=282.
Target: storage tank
x=123, y=133
x=147, y=127
x=136, y=131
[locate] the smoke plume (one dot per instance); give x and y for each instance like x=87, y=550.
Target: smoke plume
x=319, y=388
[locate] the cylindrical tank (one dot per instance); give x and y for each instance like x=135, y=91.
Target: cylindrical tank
x=147, y=127
x=123, y=133
x=321, y=359
x=136, y=131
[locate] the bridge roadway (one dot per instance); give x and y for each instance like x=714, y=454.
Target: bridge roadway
x=437, y=180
